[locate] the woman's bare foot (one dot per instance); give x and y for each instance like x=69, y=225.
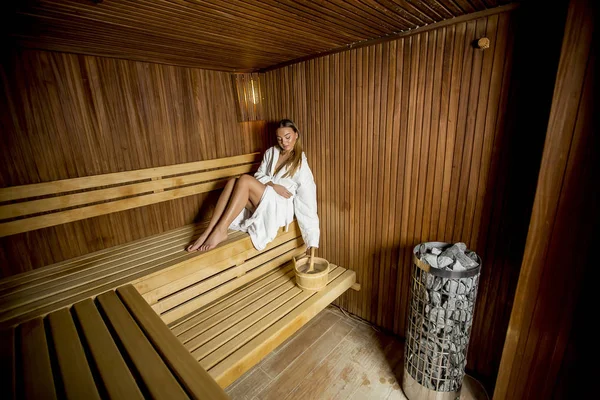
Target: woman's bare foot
x=199, y=242
x=216, y=237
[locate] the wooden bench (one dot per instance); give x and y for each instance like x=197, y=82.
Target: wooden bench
x=31, y=207
x=233, y=311
x=112, y=347
x=228, y=307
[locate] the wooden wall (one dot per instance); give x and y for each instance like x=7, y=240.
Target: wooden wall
x=414, y=140
x=551, y=348
x=68, y=116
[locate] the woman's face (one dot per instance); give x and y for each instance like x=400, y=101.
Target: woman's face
x=286, y=138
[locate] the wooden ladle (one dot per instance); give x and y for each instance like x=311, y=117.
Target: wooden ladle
x=311, y=265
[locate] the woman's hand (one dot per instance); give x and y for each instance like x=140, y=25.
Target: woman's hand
x=281, y=190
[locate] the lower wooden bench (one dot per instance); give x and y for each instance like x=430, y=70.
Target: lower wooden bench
x=233, y=333
x=233, y=311
x=39, y=292
x=228, y=307
x=112, y=347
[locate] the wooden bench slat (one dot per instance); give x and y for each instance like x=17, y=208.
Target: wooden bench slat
x=170, y=281
x=38, y=381
x=112, y=368
x=197, y=381
x=8, y=362
x=200, y=314
x=235, y=363
x=156, y=375
x=69, y=185
x=204, y=347
x=206, y=320
x=91, y=271
x=92, y=288
x=211, y=355
x=225, y=276
x=65, y=267
x=245, y=317
x=183, y=309
x=76, y=376
x=111, y=194
x=62, y=217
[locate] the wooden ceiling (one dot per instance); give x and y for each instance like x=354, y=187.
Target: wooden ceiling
x=235, y=35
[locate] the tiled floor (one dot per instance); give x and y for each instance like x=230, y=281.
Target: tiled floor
x=334, y=356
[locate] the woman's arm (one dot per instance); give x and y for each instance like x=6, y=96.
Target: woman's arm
x=280, y=190
x=262, y=174
x=305, y=206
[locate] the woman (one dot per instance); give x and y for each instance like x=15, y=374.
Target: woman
x=282, y=187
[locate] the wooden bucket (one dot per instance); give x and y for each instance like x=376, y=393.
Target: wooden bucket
x=317, y=279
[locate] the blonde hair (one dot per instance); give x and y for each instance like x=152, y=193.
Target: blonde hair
x=295, y=159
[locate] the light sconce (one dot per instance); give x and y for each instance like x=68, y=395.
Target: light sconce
x=249, y=96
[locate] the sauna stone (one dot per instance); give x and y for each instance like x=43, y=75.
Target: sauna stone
x=446, y=306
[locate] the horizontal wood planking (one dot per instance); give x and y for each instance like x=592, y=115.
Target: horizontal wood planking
x=255, y=343
x=214, y=310
x=78, y=214
x=198, y=288
x=88, y=182
x=204, y=319
x=404, y=139
x=50, y=273
x=71, y=117
x=91, y=281
x=170, y=281
x=168, y=249
x=180, y=311
x=276, y=306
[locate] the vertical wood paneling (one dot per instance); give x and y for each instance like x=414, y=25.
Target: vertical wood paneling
x=69, y=116
x=402, y=137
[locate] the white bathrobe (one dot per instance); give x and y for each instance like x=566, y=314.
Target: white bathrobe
x=275, y=211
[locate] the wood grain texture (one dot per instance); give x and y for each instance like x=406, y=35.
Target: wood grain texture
x=112, y=368
x=226, y=36
x=73, y=367
x=404, y=139
x=152, y=369
x=111, y=347
x=544, y=348
x=72, y=116
x=35, y=370
x=196, y=380
x=65, y=208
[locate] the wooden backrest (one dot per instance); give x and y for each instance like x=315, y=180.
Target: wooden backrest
x=30, y=207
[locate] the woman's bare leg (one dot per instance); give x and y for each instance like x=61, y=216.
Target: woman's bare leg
x=247, y=189
x=219, y=208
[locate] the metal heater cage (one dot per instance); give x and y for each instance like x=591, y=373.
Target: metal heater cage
x=439, y=325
